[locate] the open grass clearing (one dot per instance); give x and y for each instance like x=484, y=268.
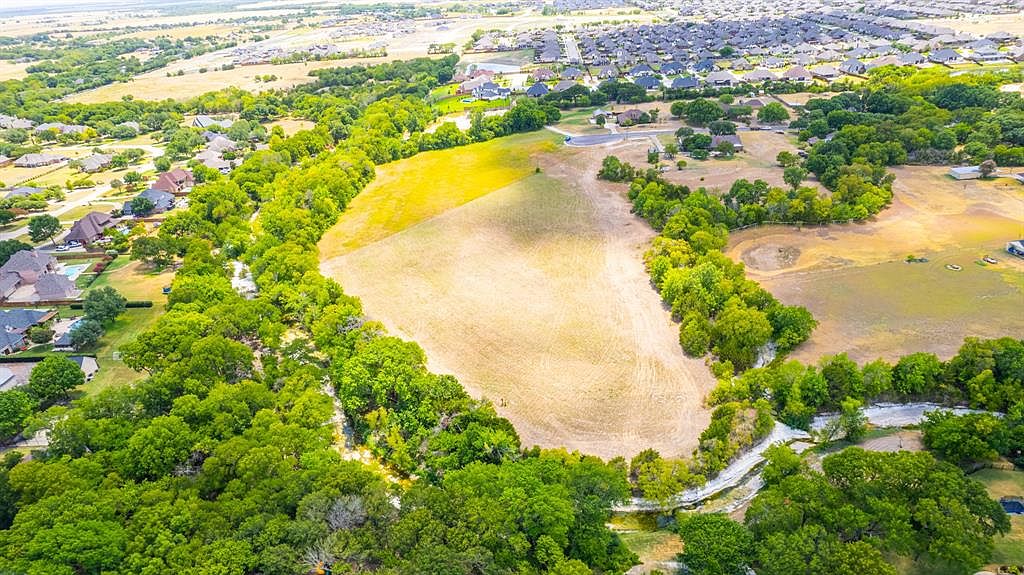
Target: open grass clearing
x=869, y=302
x=408, y=192
x=533, y=294
x=135, y=282
x=12, y=70
x=292, y=125
x=1005, y=483
x=658, y=550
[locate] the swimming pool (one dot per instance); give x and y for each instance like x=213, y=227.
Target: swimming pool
x=73, y=271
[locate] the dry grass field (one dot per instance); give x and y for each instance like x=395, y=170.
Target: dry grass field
x=982, y=25
x=534, y=295
x=869, y=302
x=156, y=85
x=12, y=71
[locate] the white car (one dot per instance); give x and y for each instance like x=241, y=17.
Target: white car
x=62, y=248
x=74, y=244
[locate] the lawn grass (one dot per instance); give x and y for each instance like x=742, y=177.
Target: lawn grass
x=653, y=546
x=408, y=192
x=135, y=283
x=1004, y=483
x=454, y=104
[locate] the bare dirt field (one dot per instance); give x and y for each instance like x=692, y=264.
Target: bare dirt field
x=869, y=301
x=535, y=296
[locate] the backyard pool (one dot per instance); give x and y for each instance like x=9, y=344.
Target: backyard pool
x=73, y=271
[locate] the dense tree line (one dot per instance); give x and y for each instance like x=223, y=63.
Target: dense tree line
x=225, y=458
x=860, y=509
x=984, y=374
x=904, y=115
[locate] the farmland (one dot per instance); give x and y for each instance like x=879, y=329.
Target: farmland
x=835, y=270
x=530, y=288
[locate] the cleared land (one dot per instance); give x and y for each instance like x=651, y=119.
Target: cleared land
x=533, y=293
x=869, y=302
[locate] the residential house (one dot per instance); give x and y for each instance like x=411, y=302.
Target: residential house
x=641, y=70
x=759, y=75
x=95, y=162
x=38, y=160
x=572, y=74
x=608, y=71
x=648, y=82
x=491, y=91
x=537, y=90
x=15, y=323
x=542, y=75
x=8, y=380
x=671, y=68
x=204, y=121
x=220, y=144
x=733, y=139
x=162, y=201
x=853, y=67
x=23, y=192
x=174, y=181
x=90, y=228
x=798, y=74
x=945, y=56
x=563, y=85
x=912, y=59
x=828, y=72
x=87, y=364
x=61, y=128
x=13, y=123
x=721, y=78
x=630, y=116
x=685, y=83
x=29, y=266
x=53, y=287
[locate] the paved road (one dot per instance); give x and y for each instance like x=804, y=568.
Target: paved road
x=599, y=139
x=572, y=49
x=91, y=195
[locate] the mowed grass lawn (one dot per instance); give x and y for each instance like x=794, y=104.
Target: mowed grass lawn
x=1002, y=483
x=135, y=283
x=416, y=189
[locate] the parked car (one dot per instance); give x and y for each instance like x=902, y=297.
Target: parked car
x=63, y=248
x=74, y=244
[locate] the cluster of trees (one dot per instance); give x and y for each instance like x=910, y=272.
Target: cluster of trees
x=919, y=116
x=984, y=374
x=224, y=459
x=718, y=308
x=848, y=518
x=976, y=438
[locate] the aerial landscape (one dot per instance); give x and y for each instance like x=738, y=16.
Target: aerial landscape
x=562, y=287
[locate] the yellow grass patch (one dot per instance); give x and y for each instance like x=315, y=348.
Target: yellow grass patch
x=408, y=192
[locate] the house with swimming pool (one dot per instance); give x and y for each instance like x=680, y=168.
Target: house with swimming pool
x=31, y=275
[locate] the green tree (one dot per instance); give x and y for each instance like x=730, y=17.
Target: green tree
x=53, y=377
x=43, y=227
x=794, y=176
x=772, y=113
x=713, y=544
x=786, y=159
x=702, y=112
x=15, y=407
x=141, y=206
x=6, y=217
x=103, y=304
x=10, y=247
x=739, y=333
x=86, y=333
x=162, y=164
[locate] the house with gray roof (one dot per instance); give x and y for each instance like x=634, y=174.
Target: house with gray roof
x=95, y=162
x=15, y=323
x=28, y=266
x=685, y=83
x=38, y=160
x=853, y=66
x=204, y=121
x=537, y=90
x=162, y=201
x=52, y=287
x=90, y=228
